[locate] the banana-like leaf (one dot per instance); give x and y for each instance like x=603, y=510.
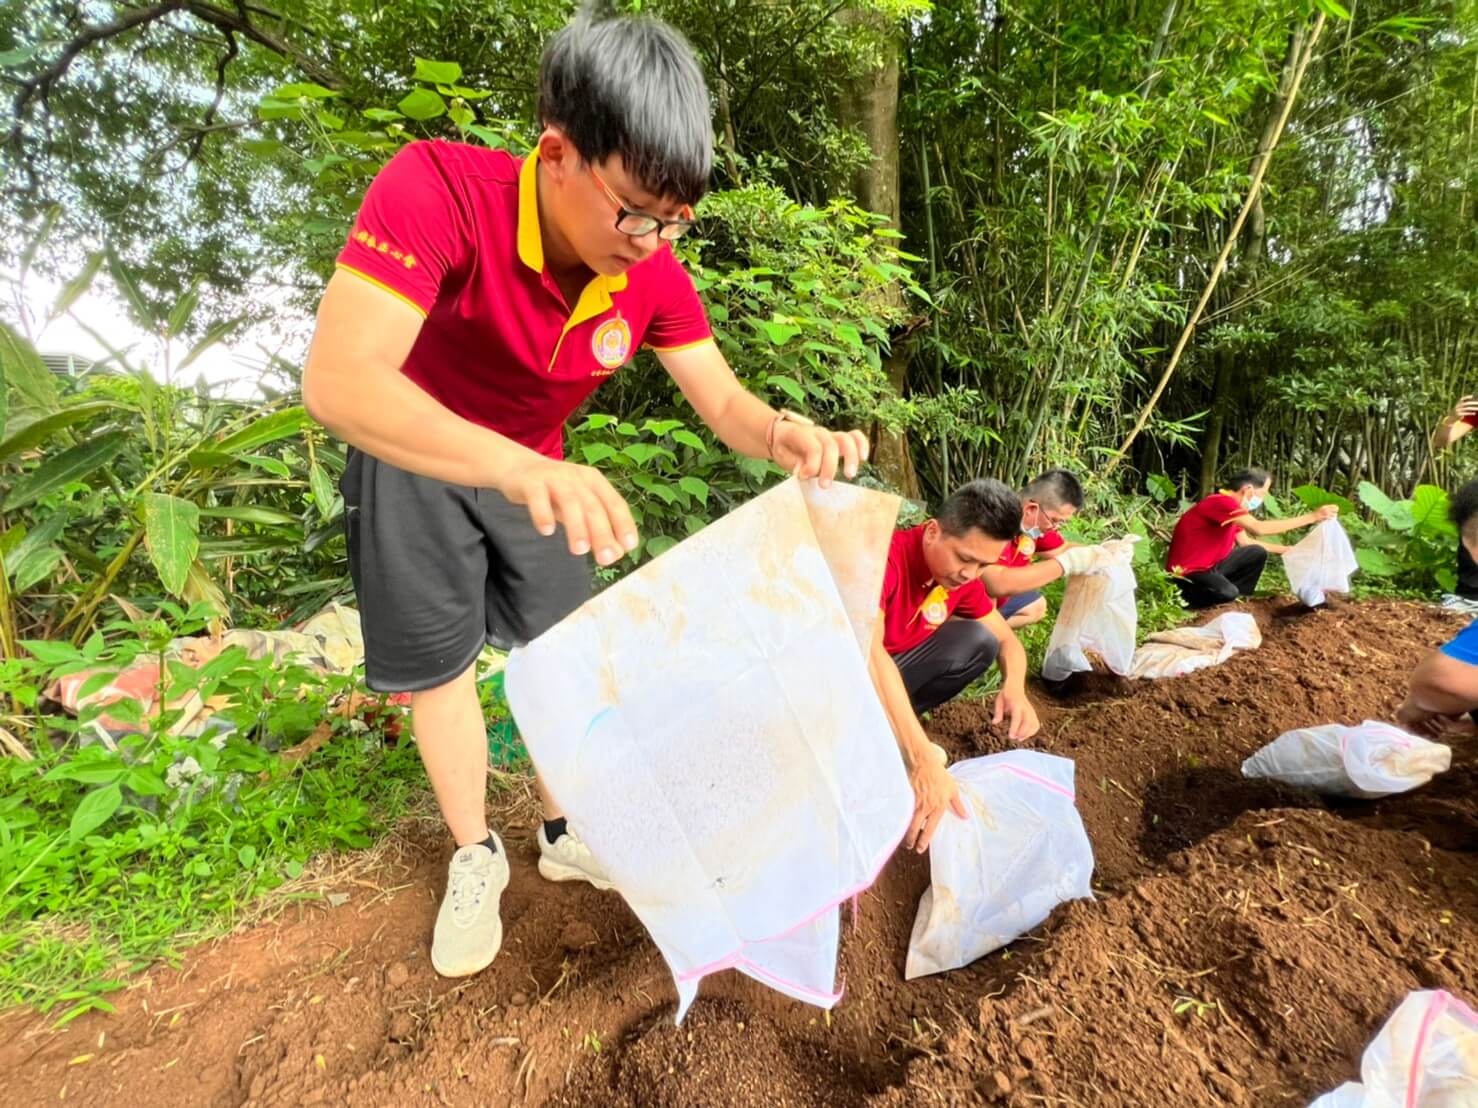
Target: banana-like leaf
x=68, y=466
x=25, y=371
x=26, y=433
x=172, y=534
x=278, y=425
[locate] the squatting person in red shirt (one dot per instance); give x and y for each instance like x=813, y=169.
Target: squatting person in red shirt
x=938, y=630
x=478, y=300
x=1213, y=554
x=1015, y=581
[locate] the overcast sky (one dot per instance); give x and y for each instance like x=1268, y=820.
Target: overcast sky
x=234, y=366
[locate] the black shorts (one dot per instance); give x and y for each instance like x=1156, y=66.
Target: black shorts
x=440, y=570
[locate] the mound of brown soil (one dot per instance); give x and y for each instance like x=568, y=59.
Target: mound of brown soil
x=1246, y=941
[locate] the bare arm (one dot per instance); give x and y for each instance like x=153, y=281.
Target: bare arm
x=1441, y=688
x=352, y=384
x=1244, y=539
x=1013, y=580
x=935, y=790
x=742, y=420
x=1453, y=425
x=1263, y=527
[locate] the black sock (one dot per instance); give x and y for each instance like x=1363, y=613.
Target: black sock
x=553, y=829
x=491, y=842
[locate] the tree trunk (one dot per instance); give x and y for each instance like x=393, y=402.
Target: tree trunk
x=869, y=104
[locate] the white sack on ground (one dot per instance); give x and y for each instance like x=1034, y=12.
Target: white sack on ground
x=1374, y=759
x=1426, y=1056
x=1186, y=649
x=999, y=873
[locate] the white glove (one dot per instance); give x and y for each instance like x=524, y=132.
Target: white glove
x=1122, y=550
x=1084, y=559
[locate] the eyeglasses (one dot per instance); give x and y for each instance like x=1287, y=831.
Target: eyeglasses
x=639, y=224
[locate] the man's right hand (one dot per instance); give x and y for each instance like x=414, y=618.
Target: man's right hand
x=1084, y=559
x=1325, y=511
x=579, y=497
x=935, y=791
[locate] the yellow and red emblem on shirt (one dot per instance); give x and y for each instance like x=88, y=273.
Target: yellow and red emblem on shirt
x=611, y=344
x=1026, y=545
x=935, y=608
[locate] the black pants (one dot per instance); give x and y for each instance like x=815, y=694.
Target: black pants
x=1235, y=575
x=441, y=569
x=959, y=651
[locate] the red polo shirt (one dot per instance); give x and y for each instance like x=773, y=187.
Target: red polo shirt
x=1204, y=535
x=913, y=605
x=453, y=230
x=1025, y=548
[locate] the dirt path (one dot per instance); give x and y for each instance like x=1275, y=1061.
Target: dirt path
x=1246, y=942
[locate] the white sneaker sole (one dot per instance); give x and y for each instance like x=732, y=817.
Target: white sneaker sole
x=470, y=968
x=551, y=870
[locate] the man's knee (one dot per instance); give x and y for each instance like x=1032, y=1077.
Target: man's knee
x=1224, y=590
x=978, y=646
x=452, y=694
x=1032, y=613
x=1256, y=554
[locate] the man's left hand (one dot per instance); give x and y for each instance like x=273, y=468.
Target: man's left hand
x=1013, y=704
x=809, y=451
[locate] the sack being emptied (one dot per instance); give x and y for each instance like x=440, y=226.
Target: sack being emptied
x=1321, y=562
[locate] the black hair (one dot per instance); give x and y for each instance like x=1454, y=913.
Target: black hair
x=982, y=505
x=1253, y=476
x=1464, y=508
x=1057, y=488
x=630, y=85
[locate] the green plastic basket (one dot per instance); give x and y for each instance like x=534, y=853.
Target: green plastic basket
x=505, y=745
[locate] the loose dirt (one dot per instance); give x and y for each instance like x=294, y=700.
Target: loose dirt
x=1246, y=941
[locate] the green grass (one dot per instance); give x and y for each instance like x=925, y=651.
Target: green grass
x=108, y=863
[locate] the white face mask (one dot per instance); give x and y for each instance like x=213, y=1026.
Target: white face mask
x=1034, y=533
x=1254, y=503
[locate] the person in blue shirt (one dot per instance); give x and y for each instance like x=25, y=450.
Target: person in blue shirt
x=1442, y=694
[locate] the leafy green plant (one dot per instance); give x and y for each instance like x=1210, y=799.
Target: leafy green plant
x=115, y=849
x=675, y=479
x=119, y=485
x=1408, y=544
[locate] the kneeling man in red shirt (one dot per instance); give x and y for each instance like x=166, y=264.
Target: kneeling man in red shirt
x=939, y=631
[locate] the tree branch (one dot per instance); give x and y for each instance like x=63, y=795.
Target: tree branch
x=210, y=112
x=41, y=84
x=1260, y=165
x=241, y=23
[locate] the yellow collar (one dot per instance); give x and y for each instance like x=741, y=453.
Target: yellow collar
x=531, y=243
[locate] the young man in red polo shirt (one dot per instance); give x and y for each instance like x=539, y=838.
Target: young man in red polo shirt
x=1213, y=554
x=478, y=301
x=938, y=631
x=1015, y=581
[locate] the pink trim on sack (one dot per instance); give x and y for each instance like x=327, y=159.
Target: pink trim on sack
x=736, y=958
x=1039, y=780
x=1440, y=1003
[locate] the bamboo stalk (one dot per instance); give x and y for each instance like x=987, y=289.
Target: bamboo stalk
x=1254, y=189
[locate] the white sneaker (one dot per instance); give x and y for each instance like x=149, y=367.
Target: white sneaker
x=569, y=859
x=469, y=931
